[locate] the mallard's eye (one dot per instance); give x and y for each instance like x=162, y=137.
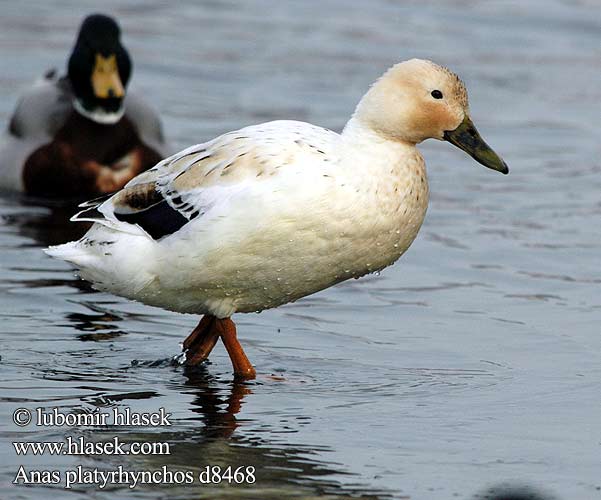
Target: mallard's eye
x=437, y=94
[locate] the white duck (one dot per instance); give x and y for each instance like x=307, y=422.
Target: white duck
x=273, y=212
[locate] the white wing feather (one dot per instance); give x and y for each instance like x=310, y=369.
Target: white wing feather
x=197, y=178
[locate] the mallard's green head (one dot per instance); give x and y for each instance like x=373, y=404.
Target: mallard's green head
x=99, y=70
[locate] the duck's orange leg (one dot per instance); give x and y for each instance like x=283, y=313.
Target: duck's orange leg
x=202, y=327
x=199, y=344
x=242, y=366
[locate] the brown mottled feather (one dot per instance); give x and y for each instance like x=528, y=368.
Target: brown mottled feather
x=71, y=163
x=137, y=197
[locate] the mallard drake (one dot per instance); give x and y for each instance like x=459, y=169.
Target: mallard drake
x=271, y=213
x=82, y=134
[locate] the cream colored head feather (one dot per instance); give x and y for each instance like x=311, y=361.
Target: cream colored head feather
x=413, y=101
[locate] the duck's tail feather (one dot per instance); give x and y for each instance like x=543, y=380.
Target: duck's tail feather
x=96, y=202
x=87, y=263
x=99, y=214
x=110, y=263
x=71, y=252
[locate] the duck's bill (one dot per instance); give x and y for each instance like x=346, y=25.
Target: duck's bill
x=466, y=137
x=106, y=82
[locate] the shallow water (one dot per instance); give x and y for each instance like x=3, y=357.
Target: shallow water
x=474, y=360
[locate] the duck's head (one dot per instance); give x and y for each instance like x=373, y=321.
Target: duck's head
x=417, y=100
x=99, y=69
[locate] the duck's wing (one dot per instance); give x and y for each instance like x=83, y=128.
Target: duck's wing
x=40, y=112
x=147, y=122
x=42, y=109
x=189, y=184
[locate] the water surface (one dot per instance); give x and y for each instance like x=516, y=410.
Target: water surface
x=474, y=360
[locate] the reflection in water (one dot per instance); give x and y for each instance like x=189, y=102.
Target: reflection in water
x=513, y=492
x=217, y=413
x=48, y=223
x=209, y=438
x=210, y=430
x=38, y=224
x=98, y=326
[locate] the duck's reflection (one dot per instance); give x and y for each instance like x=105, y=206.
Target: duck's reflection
x=217, y=411
x=47, y=222
x=97, y=325
x=218, y=434
x=26, y=227
x=513, y=492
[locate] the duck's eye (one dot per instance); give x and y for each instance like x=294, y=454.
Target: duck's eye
x=437, y=94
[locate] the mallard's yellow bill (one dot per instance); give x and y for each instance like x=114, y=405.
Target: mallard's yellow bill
x=106, y=82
